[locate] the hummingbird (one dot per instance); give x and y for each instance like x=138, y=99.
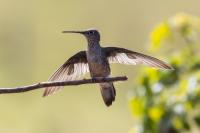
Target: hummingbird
x=96, y=60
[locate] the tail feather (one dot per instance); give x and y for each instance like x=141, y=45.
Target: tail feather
x=108, y=93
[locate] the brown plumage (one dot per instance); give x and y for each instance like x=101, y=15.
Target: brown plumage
x=96, y=61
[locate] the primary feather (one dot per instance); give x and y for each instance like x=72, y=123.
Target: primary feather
x=125, y=56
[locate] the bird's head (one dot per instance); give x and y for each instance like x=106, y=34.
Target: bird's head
x=91, y=35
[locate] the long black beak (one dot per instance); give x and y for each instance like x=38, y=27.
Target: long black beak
x=80, y=32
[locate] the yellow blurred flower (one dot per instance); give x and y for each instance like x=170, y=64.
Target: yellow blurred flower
x=180, y=20
x=177, y=123
x=187, y=106
x=136, y=106
x=177, y=59
x=182, y=90
x=160, y=32
x=153, y=74
x=155, y=113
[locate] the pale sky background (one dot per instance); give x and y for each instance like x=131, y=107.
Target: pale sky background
x=32, y=47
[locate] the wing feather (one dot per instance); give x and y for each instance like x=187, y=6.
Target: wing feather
x=72, y=69
x=125, y=56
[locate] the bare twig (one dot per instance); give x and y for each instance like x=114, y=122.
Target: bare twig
x=63, y=83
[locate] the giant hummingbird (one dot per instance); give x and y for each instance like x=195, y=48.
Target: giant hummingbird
x=96, y=60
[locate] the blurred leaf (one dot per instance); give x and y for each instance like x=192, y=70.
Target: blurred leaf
x=197, y=120
x=168, y=77
x=186, y=125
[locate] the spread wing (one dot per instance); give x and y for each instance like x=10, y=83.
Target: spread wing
x=125, y=56
x=72, y=69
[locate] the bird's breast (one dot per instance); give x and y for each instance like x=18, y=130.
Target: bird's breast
x=99, y=69
x=98, y=65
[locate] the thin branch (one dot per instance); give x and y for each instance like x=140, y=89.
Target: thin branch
x=63, y=83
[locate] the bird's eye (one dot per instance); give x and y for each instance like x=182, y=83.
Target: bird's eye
x=91, y=32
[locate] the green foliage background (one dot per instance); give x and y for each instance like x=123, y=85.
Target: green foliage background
x=168, y=101
x=32, y=47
